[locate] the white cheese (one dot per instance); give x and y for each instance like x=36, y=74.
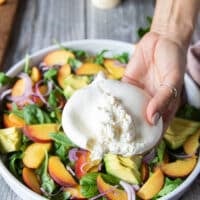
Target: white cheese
x=109, y=116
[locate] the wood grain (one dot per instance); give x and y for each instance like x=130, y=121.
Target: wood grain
x=7, y=15
x=39, y=22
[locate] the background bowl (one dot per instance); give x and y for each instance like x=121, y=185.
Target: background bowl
x=93, y=47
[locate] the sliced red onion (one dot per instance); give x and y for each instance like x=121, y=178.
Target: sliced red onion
x=72, y=154
x=150, y=156
x=179, y=155
x=136, y=187
x=70, y=170
x=119, y=64
x=5, y=93
x=100, y=167
x=129, y=190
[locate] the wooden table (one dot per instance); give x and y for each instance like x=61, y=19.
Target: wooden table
x=39, y=22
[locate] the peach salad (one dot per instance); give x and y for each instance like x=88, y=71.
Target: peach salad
x=39, y=153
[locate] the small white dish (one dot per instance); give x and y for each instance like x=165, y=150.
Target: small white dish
x=91, y=46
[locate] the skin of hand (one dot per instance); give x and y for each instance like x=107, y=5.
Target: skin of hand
x=158, y=60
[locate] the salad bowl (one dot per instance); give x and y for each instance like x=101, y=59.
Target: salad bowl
x=92, y=47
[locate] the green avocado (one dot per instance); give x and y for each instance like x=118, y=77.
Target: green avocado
x=178, y=132
x=10, y=139
x=122, y=167
x=73, y=83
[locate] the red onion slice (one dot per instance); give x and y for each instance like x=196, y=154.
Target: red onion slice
x=179, y=155
x=72, y=154
x=150, y=156
x=39, y=94
x=129, y=190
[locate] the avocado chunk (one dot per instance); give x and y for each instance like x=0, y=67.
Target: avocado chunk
x=10, y=139
x=178, y=132
x=73, y=83
x=124, y=168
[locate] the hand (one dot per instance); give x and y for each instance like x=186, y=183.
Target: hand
x=156, y=63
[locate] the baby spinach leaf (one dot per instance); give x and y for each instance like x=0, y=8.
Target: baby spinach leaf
x=168, y=187
x=100, y=57
x=52, y=99
x=88, y=185
x=47, y=182
x=80, y=54
x=123, y=58
x=50, y=74
x=112, y=180
x=4, y=79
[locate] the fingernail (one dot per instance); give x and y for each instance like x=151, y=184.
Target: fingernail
x=155, y=118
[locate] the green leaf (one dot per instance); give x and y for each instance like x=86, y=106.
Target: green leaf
x=161, y=150
x=15, y=164
x=123, y=58
x=61, y=196
x=189, y=112
x=4, y=79
x=88, y=185
x=50, y=74
x=112, y=180
x=52, y=99
x=168, y=187
x=100, y=57
x=74, y=63
x=143, y=30
x=47, y=182
x=80, y=54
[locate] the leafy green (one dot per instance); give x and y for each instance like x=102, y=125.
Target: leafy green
x=189, y=112
x=27, y=64
x=143, y=30
x=50, y=74
x=123, y=58
x=161, y=150
x=15, y=164
x=4, y=79
x=32, y=114
x=74, y=63
x=112, y=180
x=88, y=185
x=80, y=54
x=61, y=145
x=61, y=196
x=47, y=182
x=100, y=57
x=168, y=187
x=52, y=99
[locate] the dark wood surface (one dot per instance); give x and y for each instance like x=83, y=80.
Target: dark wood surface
x=39, y=22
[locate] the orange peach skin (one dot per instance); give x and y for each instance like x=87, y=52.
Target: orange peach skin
x=179, y=168
x=58, y=57
x=152, y=186
x=111, y=192
x=40, y=132
x=59, y=173
x=30, y=179
x=35, y=154
x=63, y=72
x=11, y=120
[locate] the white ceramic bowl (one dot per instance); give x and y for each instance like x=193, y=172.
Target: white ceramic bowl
x=91, y=46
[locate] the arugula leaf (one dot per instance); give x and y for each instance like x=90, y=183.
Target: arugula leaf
x=189, y=112
x=50, y=74
x=88, y=185
x=61, y=145
x=15, y=164
x=27, y=64
x=52, y=99
x=4, y=79
x=74, y=63
x=143, y=30
x=123, y=58
x=100, y=57
x=168, y=187
x=47, y=182
x=80, y=54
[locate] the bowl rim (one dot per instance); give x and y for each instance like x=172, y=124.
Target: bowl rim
x=9, y=177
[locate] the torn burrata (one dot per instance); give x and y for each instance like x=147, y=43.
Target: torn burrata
x=109, y=116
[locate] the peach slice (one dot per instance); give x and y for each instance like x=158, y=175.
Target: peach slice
x=63, y=72
x=12, y=120
x=18, y=88
x=152, y=186
x=35, y=74
x=110, y=191
x=59, y=173
x=75, y=192
x=192, y=143
x=35, y=154
x=90, y=69
x=179, y=168
x=30, y=179
x=116, y=71
x=40, y=132
x=58, y=57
